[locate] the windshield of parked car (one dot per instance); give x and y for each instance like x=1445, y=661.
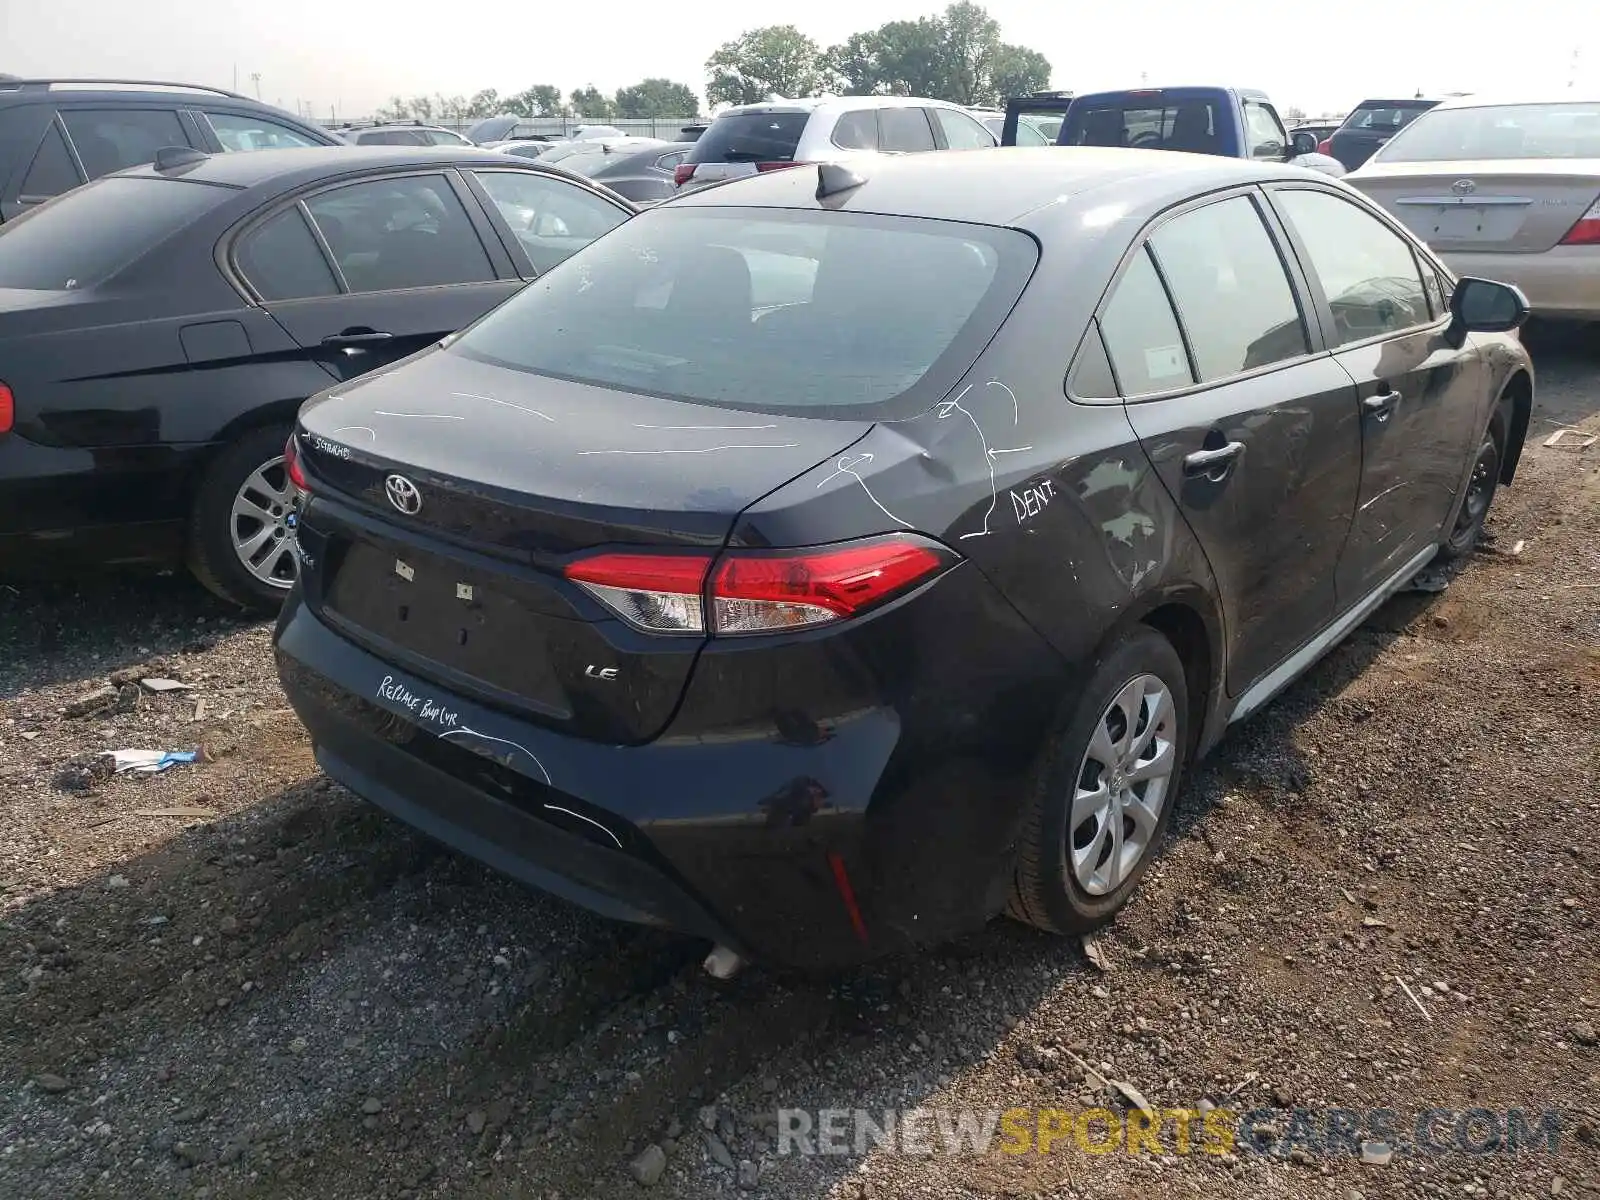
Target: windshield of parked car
x=1499, y=131
x=768, y=310
x=85, y=236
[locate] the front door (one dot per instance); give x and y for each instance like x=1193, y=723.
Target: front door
x=365, y=273
x=1418, y=393
x=1254, y=435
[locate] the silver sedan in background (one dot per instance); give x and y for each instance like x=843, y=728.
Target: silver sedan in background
x=1507, y=191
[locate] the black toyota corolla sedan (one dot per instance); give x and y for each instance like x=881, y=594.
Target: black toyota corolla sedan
x=828, y=562
x=159, y=328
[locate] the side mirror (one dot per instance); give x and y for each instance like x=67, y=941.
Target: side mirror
x=1302, y=143
x=1484, y=306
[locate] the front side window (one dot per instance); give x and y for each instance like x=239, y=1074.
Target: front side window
x=1266, y=134
x=1367, y=270
x=281, y=260
x=1230, y=287
x=813, y=313
x=405, y=232
x=1141, y=333
x=552, y=219
x=904, y=130
x=113, y=139
x=238, y=132
x=961, y=132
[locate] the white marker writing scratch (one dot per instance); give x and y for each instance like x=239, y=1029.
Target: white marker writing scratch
x=1016, y=412
x=366, y=429
x=378, y=412
x=503, y=742
x=700, y=450
x=945, y=409
x=847, y=465
x=504, y=404
x=1032, y=501
x=722, y=428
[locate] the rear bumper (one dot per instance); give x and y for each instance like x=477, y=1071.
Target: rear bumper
x=738, y=839
x=70, y=507
x=1562, y=282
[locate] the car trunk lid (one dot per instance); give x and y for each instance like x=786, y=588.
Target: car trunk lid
x=449, y=498
x=1526, y=206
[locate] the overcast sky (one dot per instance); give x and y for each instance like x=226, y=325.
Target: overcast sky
x=354, y=54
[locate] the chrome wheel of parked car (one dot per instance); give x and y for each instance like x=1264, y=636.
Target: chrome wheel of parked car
x=1121, y=787
x=261, y=524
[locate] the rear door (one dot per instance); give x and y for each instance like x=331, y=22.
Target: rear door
x=1419, y=394
x=1253, y=431
x=363, y=273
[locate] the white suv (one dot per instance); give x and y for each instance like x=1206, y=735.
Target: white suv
x=784, y=133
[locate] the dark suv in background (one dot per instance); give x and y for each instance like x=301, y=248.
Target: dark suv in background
x=1369, y=125
x=56, y=134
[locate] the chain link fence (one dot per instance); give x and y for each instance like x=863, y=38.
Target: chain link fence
x=666, y=128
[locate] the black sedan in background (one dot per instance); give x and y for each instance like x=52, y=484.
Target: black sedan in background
x=826, y=562
x=642, y=174
x=1369, y=127
x=159, y=328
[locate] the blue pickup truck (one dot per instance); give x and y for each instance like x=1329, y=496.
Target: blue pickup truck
x=1231, y=122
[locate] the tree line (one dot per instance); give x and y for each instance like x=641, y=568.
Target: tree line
x=646, y=99
x=956, y=55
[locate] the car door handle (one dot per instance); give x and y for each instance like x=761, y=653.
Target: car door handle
x=1382, y=404
x=1213, y=463
x=356, y=337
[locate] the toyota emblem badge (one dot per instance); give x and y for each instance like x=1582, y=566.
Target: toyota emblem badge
x=1463, y=187
x=403, y=494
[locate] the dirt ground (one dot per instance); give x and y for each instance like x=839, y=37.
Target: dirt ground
x=235, y=979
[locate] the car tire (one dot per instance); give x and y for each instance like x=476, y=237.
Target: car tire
x=1466, y=523
x=244, y=491
x=1067, y=879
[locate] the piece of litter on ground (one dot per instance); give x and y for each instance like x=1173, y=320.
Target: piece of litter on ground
x=1413, y=997
x=1132, y=1095
x=1376, y=1154
x=149, y=761
x=175, y=812
x=1374, y=923
x=199, y=709
x=1556, y=437
x=157, y=684
x=1559, y=435
x=1517, y=549
x=1096, y=954
x=30, y=735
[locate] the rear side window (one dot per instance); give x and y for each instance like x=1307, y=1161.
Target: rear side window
x=816, y=314
x=86, y=236
x=751, y=138
x=392, y=137
x=961, y=132
x=1230, y=288
x=405, y=232
x=112, y=139
x=856, y=130
x=1190, y=125
x=904, y=130
x=1367, y=270
x=52, y=171
x=1141, y=333
x=281, y=260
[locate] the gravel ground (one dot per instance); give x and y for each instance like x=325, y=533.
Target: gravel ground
x=234, y=979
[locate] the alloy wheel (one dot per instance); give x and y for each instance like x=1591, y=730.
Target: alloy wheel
x=1122, y=786
x=262, y=525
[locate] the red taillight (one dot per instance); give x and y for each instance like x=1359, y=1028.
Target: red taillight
x=776, y=166
x=8, y=409
x=682, y=173
x=291, y=464
x=1325, y=146
x=758, y=591
x=1587, y=231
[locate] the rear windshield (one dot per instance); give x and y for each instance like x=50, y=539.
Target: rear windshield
x=751, y=137
x=85, y=236
x=1500, y=131
x=1383, y=118
x=1191, y=125
x=767, y=310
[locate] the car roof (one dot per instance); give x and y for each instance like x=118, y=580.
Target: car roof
x=1488, y=100
x=995, y=187
x=307, y=163
x=1178, y=91
x=833, y=104
x=1401, y=102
